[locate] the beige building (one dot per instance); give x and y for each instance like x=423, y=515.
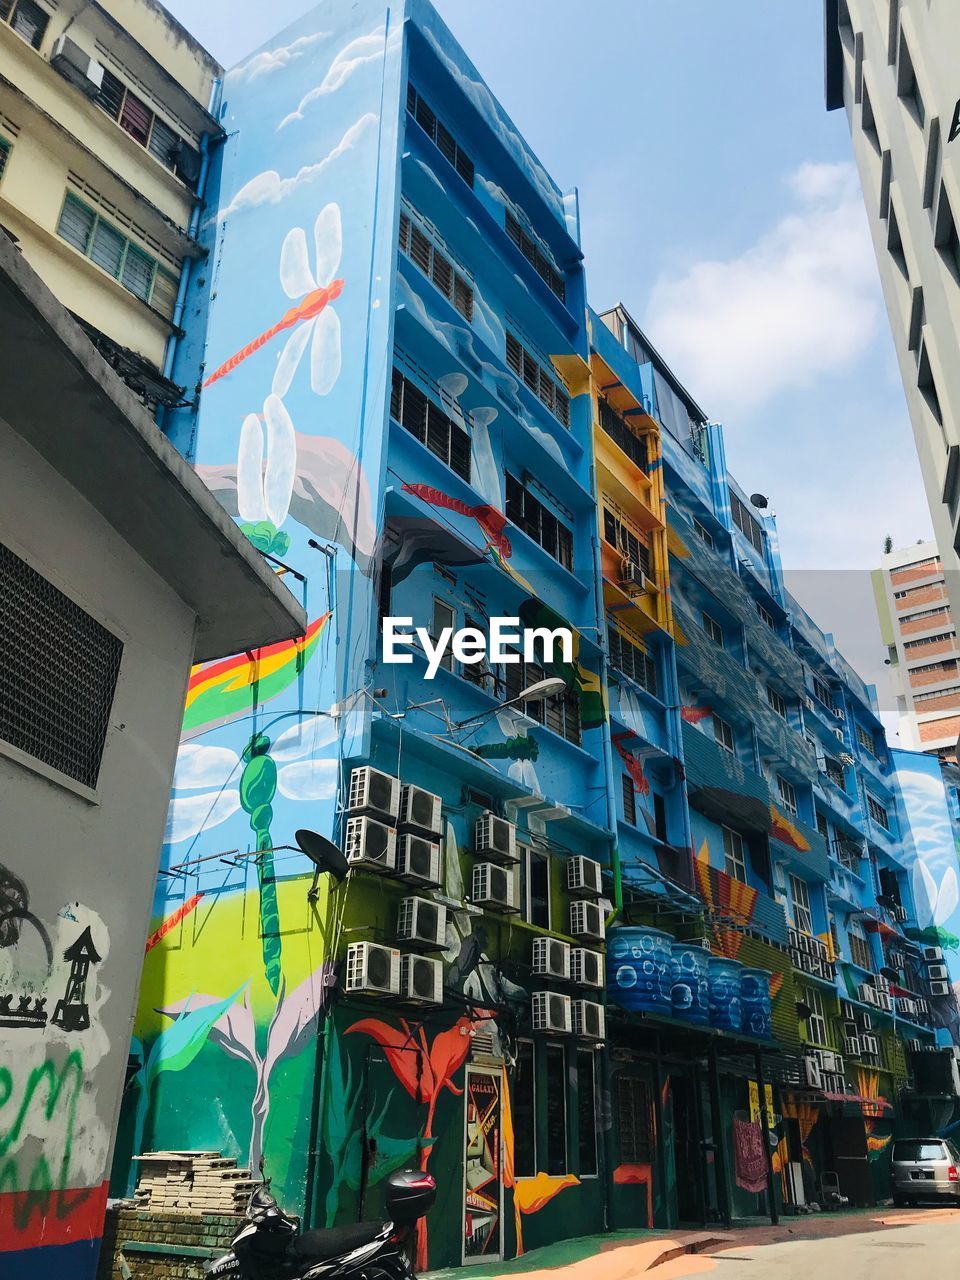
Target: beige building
x=917, y=627
x=893, y=66
x=105, y=124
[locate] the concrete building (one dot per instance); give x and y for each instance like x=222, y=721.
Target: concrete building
x=103, y=615
x=407, y=402
x=105, y=132
x=891, y=64
x=916, y=625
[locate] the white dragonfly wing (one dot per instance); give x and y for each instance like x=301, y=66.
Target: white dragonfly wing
x=189, y=815
x=947, y=898
x=328, y=235
x=524, y=772
x=308, y=780
x=325, y=353
x=296, y=278
x=290, y=357
x=250, y=470
x=513, y=723
x=304, y=738
x=199, y=766
x=929, y=886
x=281, y=460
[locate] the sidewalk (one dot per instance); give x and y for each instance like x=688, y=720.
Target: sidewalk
x=620, y=1255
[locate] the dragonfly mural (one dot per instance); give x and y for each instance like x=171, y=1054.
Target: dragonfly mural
x=265, y=489
x=312, y=317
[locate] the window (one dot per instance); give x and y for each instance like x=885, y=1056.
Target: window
x=535, y=886
x=438, y=133
x=877, y=812
x=777, y=702
x=27, y=19
x=632, y=660
x=525, y=1112
x=937, y=693
x=949, y=667
x=713, y=629
x=629, y=799
x=538, y=380
x=536, y=255
x=908, y=90
x=800, y=896
x=860, y=950
x=59, y=674
x=5, y=149
x=445, y=438
x=931, y=167
x=822, y=825
x=834, y=771
x=766, y=617
x=940, y=612
x=816, y=1023
x=821, y=692
x=556, y=1081
x=787, y=794
x=98, y=240
x=626, y=541
x=539, y=523
x=945, y=235
x=868, y=121
x=703, y=533
x=865, y=738
x=937, y=639
x=746, y=523
x=635, y=1118
x=622, y=434
x=893, y=30
x=146, y=127
x=560, y=713
x=724, y=735
x=895, y=245
x=444, y=618
x=660, y=817
x=589, y=1121
x=435, y=266
x=734, y=858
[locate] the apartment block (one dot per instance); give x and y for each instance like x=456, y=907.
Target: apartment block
x=916, y=625
x=105, y=133
x=890, y=66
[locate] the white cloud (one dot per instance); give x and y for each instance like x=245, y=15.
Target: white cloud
x=363, y=49
x=799, y=302
x=262, y=64
x=270, y=188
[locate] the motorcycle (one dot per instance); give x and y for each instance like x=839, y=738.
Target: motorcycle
x=271, y=1246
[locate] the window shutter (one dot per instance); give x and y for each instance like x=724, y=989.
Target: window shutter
x=76, y=223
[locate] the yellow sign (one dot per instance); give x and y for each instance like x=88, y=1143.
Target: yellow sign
x=755, y=1104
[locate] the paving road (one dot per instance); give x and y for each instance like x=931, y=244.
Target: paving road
x=929, y=1249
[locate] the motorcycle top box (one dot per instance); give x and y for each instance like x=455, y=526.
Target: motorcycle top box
x=410, y=1195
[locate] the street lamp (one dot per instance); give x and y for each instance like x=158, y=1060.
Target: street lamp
x=540, y=691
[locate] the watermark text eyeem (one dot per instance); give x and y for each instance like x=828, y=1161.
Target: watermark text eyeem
x=504, y=643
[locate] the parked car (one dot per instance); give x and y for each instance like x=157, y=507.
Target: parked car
x=924, y=1169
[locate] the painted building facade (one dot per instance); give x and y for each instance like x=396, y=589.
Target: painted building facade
x=408, y=406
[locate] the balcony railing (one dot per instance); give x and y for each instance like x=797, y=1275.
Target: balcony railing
x=634, y=446
x=847, y=853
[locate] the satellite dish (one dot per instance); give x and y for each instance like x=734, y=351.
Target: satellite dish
x=323, y=853
x=759, y=501
x=891, y=975
x=803, y=1010
x=883, y=900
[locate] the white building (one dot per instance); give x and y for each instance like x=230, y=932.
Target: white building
x=893, y=65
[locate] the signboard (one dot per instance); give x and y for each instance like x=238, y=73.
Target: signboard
x=482, y=1188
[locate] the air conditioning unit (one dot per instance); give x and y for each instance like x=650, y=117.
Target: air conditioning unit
x=922, y=1006
x=915, y=1046
x=631, y=574
x=421, y=979
x=495, y=838
x=851, y=1046
x=588, y=1022
x=939, y=988
x=885, y=1001
x=76, y=65
x=932, y=955
x=839, y=713
x=838, y=734
x=881, y=983
x=937, y=973
x=418, y=860
x=551, y=958
x=848, y=1011
x=586, y=920
x=372, y=969
x=551, y=1012
x=583, y=876
x=374, y=792
x=870, y=1046
x=586, y=967
x=811, y=1072
x=420, y=809
x=828, y=1061
x=493, y=887
x=867, y=993
x=906, y=1008
x=370, y=844
x=421, y=921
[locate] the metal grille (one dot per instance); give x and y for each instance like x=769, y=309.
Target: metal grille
x=59, y=673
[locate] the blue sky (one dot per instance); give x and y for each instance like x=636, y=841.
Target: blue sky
x=719, y=203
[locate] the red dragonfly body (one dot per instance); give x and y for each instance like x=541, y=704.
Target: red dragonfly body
x=307, y=309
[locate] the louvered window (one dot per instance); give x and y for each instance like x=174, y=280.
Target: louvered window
x=58, y=676
x=538, y=380
x=430, y=425
x=4, y=154
x=626, y=541
x=538, y=522
x=535, y=255
x=560, y=713
x=164, y=143
x=136, y=117
x=145, y=126
x=435, y=266
x=629, y=658
x=110, y=96
x=437, y=132
x=28, y=20
x=633, y=445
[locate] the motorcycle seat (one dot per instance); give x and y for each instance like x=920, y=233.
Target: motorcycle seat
x=319, y=1246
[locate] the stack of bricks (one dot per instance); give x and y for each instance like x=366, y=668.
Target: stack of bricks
x=161, y=1246
x=189, y=1182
